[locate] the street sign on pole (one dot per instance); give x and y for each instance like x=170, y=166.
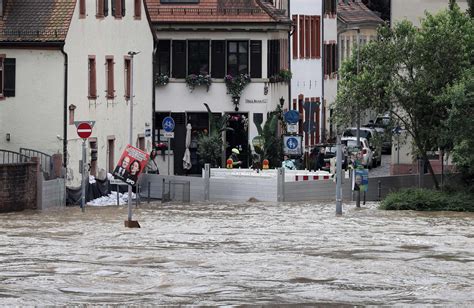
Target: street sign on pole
x=168, y=124
x=84, y=130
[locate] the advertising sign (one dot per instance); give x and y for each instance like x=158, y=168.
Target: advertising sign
x=132, y=162
x=360, y=180
x=292, y=145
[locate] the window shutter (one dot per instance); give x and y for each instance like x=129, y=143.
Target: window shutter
x=110, y=78
x=302, y=36
x=218, y=59
x=256, y=59
x=128, y=75
x=295, y=36
x=179, y=59
x=82, y=8
x=106, y=7
x=138, y=9
x=123, y=8
x=9, y=82
x=114, y=4
x=307, y=36
x=92, y=78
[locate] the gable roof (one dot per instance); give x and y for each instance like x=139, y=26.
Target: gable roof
x=215, y=11
x=354, y=11
x=36, y=21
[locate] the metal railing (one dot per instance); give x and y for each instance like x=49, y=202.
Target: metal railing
x=46, y=161
x=10, y=157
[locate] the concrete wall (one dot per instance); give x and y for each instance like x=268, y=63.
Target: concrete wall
x=18, y=186
x=414, y=10
x=53, y=194
x=34, y=116
x=103, y=37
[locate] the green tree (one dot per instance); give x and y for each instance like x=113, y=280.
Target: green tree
x=406, y=71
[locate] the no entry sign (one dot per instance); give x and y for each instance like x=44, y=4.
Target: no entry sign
x=84, y=130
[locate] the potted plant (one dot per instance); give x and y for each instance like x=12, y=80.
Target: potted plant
x=162, y=79
x=285, y=75
x=194, y=80
x=235, y=85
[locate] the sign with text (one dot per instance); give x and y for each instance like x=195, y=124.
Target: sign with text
x=132, y=162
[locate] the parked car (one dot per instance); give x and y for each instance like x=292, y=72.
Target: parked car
x=353, y=149
x=382, y=126
x=374, y=141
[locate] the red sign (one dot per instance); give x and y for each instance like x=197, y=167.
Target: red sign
x=84, y=130
x=132, y=162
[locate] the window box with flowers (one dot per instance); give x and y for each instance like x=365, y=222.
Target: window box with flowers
x=282, y=76
x=235, y=85
x=202, y=79
x=162, y=79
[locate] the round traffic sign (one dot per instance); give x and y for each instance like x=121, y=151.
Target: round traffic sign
x=292, y=143
x=168, y=124
x=84, y=130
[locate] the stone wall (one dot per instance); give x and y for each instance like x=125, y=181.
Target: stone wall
x=18, y=186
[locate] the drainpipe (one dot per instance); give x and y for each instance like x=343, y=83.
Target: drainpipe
x=289, y=56
x=65, y=110
x=323, y=58
x=153, y=96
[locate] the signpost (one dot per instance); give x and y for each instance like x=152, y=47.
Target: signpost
x=168, y=126
x=84, y=131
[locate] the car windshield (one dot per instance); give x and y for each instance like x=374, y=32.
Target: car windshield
x=353, y=133
x=351, y=144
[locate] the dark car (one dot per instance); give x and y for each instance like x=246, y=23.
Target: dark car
x=330, y=151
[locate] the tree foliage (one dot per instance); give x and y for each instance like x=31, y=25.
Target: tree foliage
x=406, y=71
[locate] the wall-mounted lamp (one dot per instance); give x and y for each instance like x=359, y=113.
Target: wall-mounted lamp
x=7, y=136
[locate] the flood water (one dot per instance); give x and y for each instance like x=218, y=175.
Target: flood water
x=231, y=254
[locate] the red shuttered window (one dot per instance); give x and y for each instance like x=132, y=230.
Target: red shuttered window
x=109, y=64
x=92, y=89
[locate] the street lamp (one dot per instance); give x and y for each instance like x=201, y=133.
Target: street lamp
x=131, y=223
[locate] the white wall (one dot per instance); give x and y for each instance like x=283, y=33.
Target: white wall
x=103, y=37
x=414, y=10
x=34, y=116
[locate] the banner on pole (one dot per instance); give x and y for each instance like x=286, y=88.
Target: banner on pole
x=132, y=162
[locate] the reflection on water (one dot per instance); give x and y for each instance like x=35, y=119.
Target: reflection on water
x=225, y=254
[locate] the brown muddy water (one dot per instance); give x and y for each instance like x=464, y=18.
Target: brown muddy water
x=232, y=254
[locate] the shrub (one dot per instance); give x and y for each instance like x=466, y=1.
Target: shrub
x=202, y=79
x=236, y=84
x=428, y=200
x=162, y=79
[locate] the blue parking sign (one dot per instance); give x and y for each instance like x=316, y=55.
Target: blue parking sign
x=168, y=124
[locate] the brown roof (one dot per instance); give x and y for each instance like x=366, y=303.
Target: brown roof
x=215, y=11
x=36, y=20
x=356, y=12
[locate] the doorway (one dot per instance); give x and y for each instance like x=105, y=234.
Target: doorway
x=238, y=137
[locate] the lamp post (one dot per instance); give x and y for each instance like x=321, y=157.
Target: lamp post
x=131, y=223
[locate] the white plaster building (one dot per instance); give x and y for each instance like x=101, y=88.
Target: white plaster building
x=72, y=64
x=218, y=37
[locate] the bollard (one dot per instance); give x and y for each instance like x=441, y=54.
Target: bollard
x=149, y=186
x=379, y=190
x=118, y=193
x=364, y=199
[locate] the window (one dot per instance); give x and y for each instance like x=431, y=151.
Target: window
x=330, y=61
x=329, y=7
x=237, y=57
x=82, y=8
x=138, y=9
x=273, y=57
x=92, y=91
x=179, y=59
x=7, y=76
x=295, y=36
x=118, y=8
x=218, y=59
x=256, y=59
x=198, y=57
x=102, y=8
x=110, y=91
x=163, y=57
x=141, y=142
x=315, y=37
x=127, y=76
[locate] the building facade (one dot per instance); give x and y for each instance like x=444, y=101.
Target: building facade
x=214, y=40
x=414, y=10
x=66, y=61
